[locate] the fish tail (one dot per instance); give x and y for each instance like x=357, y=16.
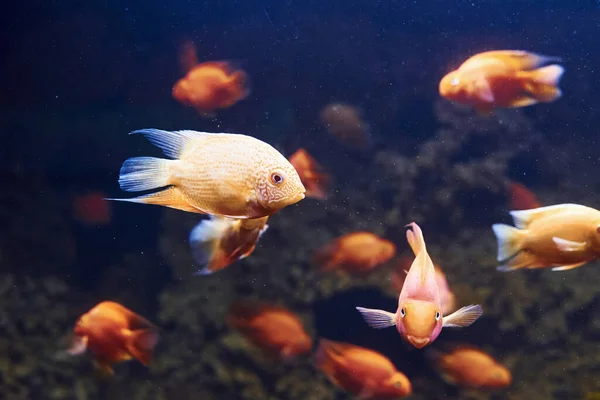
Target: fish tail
x=509, y=241
x=519, y=261
x=140, y=344
x=323, y=360
x=241, y=81
x=542, y=83
x=326, y=258
x=218, y=242
x=144, y=173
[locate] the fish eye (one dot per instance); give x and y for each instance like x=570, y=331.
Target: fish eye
x=598, y=229
x=437, y=315
x=454, y=82
x=403, y=312
x=277, y=178
x=398, y=385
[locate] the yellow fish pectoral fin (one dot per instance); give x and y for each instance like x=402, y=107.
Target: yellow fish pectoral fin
x=523, y=101
x=568, y=267
x=568, y=245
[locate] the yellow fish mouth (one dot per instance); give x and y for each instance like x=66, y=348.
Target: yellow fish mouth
x=418, y=342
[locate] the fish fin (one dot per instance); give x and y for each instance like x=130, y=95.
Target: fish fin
x=509, y=241
x=144, y=173
x=568, y=267
x=172, y=143
x=415, y=238
x=463, y=317
x=377, y=319
x=188, y=56
x=542, y=83
x=170, y=197
x=484, y=90
x=523, y=218
x=242, y=83
x=367, y=391
x=523, y=101
x=204, y=242
x=521, y=59
x=325, y=361
x=78, y=347
x=522, y=260
x=327, y=257
x=568, y=245
x=140, y=344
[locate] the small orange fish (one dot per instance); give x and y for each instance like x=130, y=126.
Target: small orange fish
x=311, y=174
x=92, y=209
x=276, y=330
x=506, y=78
x=446, y=296
x=210, y=85
x=471, y=368
x=345, y=123
x=563, y=236
x=361, y=371
x=419, y=318
x=356, y=253
x=113, y=334
x=522, y=198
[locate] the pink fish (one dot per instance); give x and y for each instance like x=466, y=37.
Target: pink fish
x=419, y=318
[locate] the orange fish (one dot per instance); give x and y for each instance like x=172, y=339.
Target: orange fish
x=345, y=123
x=92, y=209
x=506, y=78
x=356, y=253
x=522, y=198
x=471, y=368
x=563, y=236
x=210, y=85
x=113, y=334
x=446, y=296
x=311, y=174
x=419, y=318
x=361, y=371
x=276, y=330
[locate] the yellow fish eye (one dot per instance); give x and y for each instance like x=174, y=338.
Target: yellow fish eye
x=398, y=385
x=454, y=82
x=403, y=312
x=277, y=178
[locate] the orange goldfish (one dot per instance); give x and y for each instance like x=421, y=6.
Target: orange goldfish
x=472, y=368
x=310, y=173
x=92, y=209
x=356, y=253
x=113, y=334
x=563, y=236
x=419, y=318
x=522, y=198
x=210, y=85
x=361, y=371
x=446, y=296
x=346, y=124
x=274, y=329
x=220, y=174
x=506, y=78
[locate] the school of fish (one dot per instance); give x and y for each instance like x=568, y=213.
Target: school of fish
x=238, y=182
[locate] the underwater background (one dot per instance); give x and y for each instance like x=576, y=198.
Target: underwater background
x=78, y=76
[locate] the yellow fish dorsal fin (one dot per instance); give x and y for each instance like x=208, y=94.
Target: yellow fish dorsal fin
x=523, y=218
x=519, y=59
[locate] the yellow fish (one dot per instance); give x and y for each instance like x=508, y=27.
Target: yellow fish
x=230, y=176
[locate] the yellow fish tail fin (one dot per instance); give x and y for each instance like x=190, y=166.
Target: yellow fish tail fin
x=542, y=83
x=509, y=241
x=144, y=173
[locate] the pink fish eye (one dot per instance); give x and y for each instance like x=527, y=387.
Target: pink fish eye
x=403, y=312
x=277, y=178
x=437, y=315
x=398, y=385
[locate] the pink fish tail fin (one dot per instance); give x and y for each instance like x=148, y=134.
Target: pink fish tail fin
x=326, y=258
x=140, y=344
x=324, y=360
x=542, y=83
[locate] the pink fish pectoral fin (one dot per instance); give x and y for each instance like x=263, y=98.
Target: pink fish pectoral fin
x=463, y=317
x=568, y=267
x=368, y=390
x=79, y=346
x=377, y=319
x=484, y=90
x=568, y=245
